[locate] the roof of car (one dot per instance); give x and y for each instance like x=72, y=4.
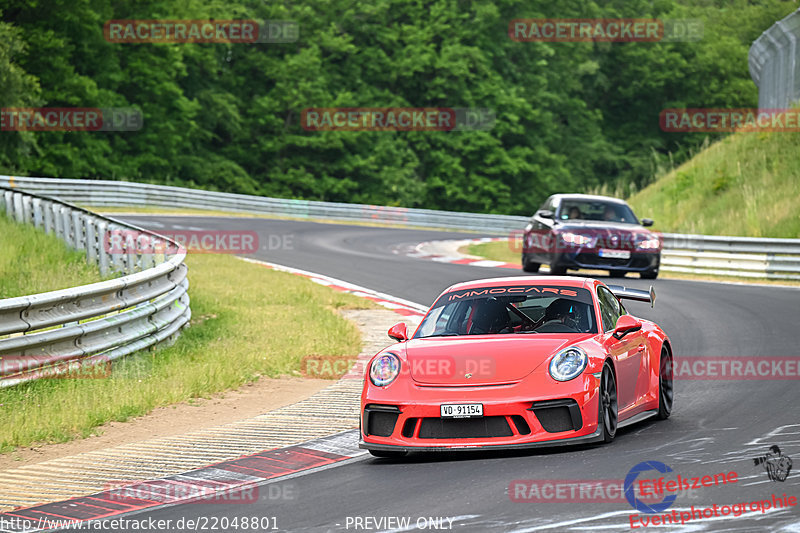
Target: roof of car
x=590, y=197
x=562, y=281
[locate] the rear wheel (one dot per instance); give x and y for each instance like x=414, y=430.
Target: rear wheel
x=608, y=403
x=529, y=266
x=665, y=385
x=387, y=454
x=649, y=274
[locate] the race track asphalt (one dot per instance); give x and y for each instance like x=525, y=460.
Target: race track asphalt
x=716, y=426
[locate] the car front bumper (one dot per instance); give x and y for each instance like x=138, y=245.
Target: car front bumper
x=513, y=417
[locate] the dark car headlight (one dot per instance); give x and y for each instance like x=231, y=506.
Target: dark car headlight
x=568, y=364
x=651, y=243
x=384, y=369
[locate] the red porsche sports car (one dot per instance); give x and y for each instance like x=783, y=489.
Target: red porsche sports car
x=517, y=362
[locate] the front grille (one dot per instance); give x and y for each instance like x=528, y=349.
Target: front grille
x=596, y=260
x=380, y=420
x=558, y=415
x=464, y=428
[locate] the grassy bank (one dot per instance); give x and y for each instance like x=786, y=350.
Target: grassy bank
x=496, y=251
x=32, y=262
x=248, y=321
x=745, y=185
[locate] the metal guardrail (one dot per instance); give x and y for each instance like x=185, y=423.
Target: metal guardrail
x=700, y=254
x=774, y=62
x=102, y=193
x=67, y=331
x=747, y=257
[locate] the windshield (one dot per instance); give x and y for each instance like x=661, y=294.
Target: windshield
x=510, y=310
x=596, y=210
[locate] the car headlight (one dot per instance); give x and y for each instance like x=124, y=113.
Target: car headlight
x=568, y=364
x=650, y=244
x=575, y=238
x=384, y=369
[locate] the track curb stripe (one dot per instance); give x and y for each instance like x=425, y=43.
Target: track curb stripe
x=240, y=474
x=238, y=477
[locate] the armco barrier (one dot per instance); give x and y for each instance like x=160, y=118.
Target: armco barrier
x=773, y=61
x=700, y=254
x=71, y=330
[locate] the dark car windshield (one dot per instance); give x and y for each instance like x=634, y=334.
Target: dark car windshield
x=510, y=310
x=596, y=210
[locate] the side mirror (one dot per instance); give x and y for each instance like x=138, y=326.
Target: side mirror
x=545, y=213
x=626, y=324
x=647, y=222
x=398, y=332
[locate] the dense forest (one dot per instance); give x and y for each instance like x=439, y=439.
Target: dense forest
x=570, y=116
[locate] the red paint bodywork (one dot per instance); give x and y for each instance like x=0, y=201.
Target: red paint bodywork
x=518, y=377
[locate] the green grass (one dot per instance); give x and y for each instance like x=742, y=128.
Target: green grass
x=247, y=321
x=496, y=251
x=33, y=262
x=748, y=184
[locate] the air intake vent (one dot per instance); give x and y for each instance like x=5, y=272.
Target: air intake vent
x=558, y=415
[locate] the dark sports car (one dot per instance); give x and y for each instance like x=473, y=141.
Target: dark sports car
x=573, y=231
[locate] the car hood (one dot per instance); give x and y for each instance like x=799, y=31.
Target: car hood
x=481, y=359
x=607, y=234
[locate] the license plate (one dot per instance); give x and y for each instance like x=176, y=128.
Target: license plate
x=462, y=410
x=615, y=254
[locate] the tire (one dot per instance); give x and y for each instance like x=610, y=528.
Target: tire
x=387, y=454
x=616, y=273
x=608, y=410
x=558, y=270
x=528, y=266
x=666, y=391
x=649, y=274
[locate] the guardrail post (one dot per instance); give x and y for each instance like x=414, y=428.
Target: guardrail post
x=90, y=231
x=66, y=235
x=38, y=219
x=8, y=197
x=48, y=216
x=27, y=209
x=18, y=214
x=102, y=248
x=77, y=227
x=117, y=258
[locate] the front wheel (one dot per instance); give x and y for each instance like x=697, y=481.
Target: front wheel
x=557, y=270
x=529, y=266
x=608, y=403
x=649, y=274
x=665, y=386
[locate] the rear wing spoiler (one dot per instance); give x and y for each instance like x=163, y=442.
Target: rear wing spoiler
x=624, y=293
